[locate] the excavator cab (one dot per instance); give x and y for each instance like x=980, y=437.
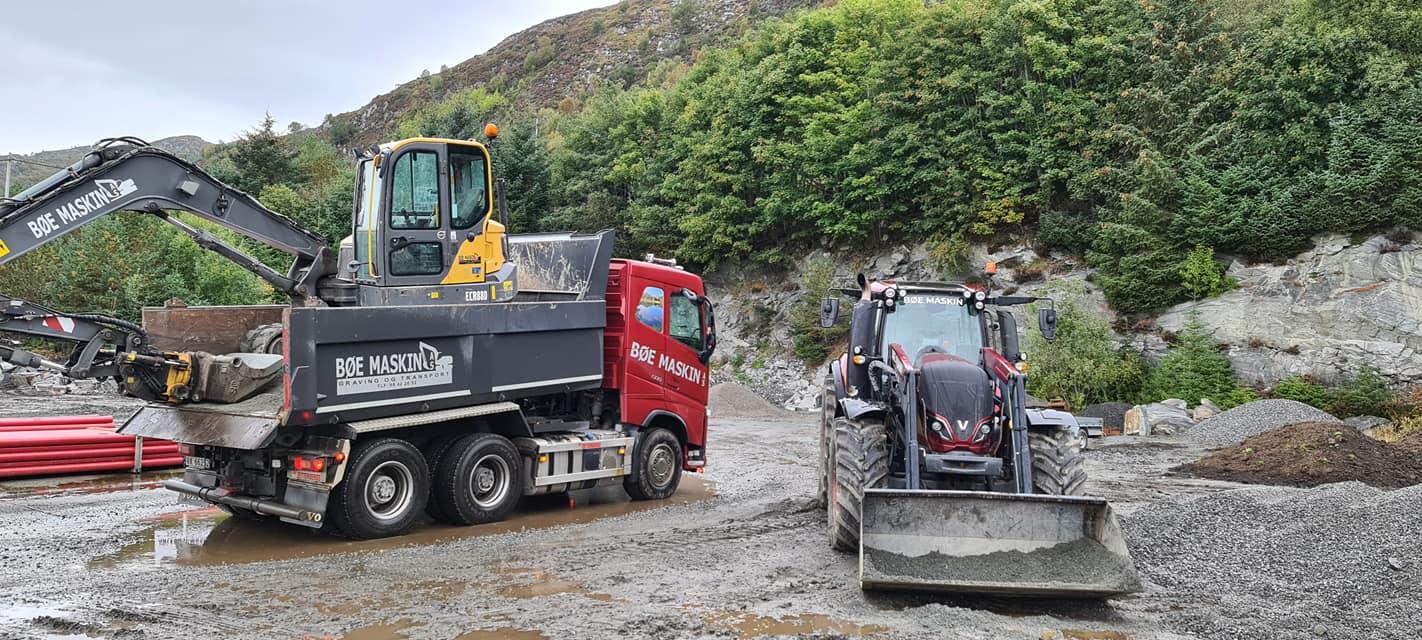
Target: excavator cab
x=424, y=220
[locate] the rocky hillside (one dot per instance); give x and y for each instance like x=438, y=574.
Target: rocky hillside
x=565, y=57
x=1325, y=313
x=31, y=168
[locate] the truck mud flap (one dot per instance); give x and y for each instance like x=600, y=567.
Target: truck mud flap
x=204, y=426
x=993, y=543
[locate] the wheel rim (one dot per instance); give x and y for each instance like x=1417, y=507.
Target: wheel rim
x=489, y=481
x=389, y=490
x=661, y=465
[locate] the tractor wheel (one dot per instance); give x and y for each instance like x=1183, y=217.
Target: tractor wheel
x=479, y=479
x=1058, y=468
x=826, y=452
x=383, y=492
x=656, y=466
x=264, y=339
x=861, y=462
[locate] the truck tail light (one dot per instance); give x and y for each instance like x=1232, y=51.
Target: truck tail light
x=186, y=449
x=302, y=463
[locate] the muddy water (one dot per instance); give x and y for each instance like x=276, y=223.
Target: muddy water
x=111, y=483
x=208, y=536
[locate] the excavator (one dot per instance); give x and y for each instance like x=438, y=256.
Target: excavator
x=432, y=363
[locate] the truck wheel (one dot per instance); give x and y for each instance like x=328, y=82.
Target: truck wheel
x=479, y=479
x=826, y=453
x=861, y=462
x=656, y=466
x=266, y=338
x=434, y=454
x=384, y=490
x=1058, y=468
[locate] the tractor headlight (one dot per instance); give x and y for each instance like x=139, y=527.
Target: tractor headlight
x=981, y=295
x=983, y=433
x=978, y=305
x=939, y=427
x=891, y=293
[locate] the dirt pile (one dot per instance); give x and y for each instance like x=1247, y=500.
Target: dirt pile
x=1310, y=454
x=734, y=400
x=1112, y=414
x=1341, y=561
x=1254, y=418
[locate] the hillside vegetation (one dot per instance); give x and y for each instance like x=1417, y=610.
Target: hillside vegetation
x=1134, y=132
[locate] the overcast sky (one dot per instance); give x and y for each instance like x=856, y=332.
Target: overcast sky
x=73, y=72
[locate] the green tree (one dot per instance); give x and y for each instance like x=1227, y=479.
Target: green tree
x=1192, y=370
x=812, y=342
x=262, y=158
x=1083, y=365
x=1202, y=276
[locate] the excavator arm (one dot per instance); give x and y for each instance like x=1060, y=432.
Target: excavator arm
x=128, y=175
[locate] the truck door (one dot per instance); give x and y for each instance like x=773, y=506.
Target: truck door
x=646, y=330
x=688, y=380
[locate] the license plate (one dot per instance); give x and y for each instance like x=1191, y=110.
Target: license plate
x=194, y=462
x=313, y=477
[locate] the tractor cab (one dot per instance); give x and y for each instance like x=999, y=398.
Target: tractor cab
x=424, y=225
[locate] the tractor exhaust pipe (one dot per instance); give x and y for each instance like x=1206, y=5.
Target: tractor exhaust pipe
x=993, y=543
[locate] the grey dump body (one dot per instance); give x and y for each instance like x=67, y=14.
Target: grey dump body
x=353, y=364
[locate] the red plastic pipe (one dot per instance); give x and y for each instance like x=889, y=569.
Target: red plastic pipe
x=87, y=467
x=64, y=437
x=56, y=420
x=79, y=454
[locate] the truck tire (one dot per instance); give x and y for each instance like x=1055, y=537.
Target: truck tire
x=826, y=452
x=266, y=338
x=434, y=453
x=479, y=480
x=384, y=491
x=1058, y=468
x=656, y=466
x=861, y=462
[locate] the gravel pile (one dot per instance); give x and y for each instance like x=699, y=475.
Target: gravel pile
x=1338, y=561
x=732, y=400
x=1254, y=418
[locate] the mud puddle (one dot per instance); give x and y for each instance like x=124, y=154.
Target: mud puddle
x=209, y=536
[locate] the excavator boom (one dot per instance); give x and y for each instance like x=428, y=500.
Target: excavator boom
x=128, y=175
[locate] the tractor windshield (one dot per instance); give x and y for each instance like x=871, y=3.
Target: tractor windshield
x=934, y=321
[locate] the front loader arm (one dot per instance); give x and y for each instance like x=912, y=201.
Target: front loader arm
x=129, y=175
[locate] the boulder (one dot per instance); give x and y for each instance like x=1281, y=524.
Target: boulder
x=1157, y=419
x=1205, y=410
x=1364, y=423
x=1325, y=313
x=1177, y=403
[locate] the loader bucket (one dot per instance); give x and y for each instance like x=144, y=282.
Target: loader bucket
x=993, y=543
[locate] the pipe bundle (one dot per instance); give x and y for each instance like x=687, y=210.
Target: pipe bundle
x=77, y=444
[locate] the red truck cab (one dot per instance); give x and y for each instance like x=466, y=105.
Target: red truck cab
x=661, y=332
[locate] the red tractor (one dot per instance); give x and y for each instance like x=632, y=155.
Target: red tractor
x=934, y=466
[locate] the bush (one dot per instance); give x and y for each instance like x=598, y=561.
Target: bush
x=1192, y=370
x=1303, y=389
x=811, y=341
x=1365, y=395
x=1202, y=276
x=1082, y=365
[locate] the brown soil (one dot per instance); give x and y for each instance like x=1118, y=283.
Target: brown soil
x=1412, y=443
x=1313, y=453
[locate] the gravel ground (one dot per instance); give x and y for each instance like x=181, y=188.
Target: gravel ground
x=120, y=558
x=1254, y=418
x=1287, y=563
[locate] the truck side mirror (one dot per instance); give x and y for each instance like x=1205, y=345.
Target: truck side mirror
x=1047, y=322
x=829, y=312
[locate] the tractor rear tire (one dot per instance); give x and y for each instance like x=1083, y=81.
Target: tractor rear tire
x=861, y=462
x=1058, y=468
x=826, y=452
x=263, y=339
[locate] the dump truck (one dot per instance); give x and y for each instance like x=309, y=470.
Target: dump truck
x=432, y=363
x=934, y=468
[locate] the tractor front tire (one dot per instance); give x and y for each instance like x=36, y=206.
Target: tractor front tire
x=861, y=461
x=266, y=338
x=826, y=451
x=1058, y=468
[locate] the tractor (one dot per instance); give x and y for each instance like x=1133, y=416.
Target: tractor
x=934, y=467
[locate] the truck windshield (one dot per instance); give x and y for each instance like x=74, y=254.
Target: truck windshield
x=934, y=321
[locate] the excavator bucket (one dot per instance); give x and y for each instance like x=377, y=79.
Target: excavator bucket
x=993, y=543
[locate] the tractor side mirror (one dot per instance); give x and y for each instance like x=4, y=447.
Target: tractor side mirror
x=829, y=312
x=1007, y=328
x=1047, y=322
